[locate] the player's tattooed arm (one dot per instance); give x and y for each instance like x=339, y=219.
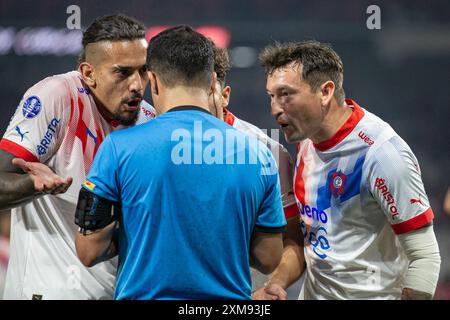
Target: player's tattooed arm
x=21, y=181
x=15, y=190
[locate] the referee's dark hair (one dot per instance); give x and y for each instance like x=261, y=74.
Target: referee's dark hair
x=181, y=56
x=117, y=27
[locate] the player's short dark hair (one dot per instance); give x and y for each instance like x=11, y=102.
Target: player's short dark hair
x=181, y=56
x=221, y=64
x=117, y=27
x=320, y=63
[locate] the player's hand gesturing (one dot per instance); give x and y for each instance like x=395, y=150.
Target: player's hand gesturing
x=44, y=179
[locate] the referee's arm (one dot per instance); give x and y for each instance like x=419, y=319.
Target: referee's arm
x=98, y=246
x=97, y=238
x=266, y=249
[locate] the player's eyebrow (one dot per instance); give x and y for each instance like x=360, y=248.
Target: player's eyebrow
x=121, y=68
x=128, y=68
x=279, y=89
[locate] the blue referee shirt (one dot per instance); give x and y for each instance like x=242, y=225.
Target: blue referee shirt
x=192, y=190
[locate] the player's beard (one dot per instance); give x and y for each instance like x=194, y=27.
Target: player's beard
x=129, y=117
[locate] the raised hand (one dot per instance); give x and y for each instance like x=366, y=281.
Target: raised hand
x=44, y=179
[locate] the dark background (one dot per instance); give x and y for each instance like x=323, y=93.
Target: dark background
x=400, y=72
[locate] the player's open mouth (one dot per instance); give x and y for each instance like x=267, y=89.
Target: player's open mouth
x=132, y=105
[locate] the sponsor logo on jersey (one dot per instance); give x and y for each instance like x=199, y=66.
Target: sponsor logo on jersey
x=84, y=90
x=22, y=135
x=148, y=113
x=388, y=197
x=89, y=185
x=31, y=107
x=314, y=213
x=412, y=201
x=364, y=137
x=48, y=137
x=317, y=239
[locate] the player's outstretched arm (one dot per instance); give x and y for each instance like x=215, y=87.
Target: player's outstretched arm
x=291, y=267
x=22, y=181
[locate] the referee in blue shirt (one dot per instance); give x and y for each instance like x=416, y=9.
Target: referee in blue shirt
x=186, y=201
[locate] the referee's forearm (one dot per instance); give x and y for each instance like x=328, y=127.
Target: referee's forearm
x=15, y=190
x=98, y=246
x=291, y=267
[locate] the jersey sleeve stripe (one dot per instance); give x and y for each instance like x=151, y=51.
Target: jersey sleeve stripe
x=299, y=187
x=414, y=223
x=291, y=211
x=17, y=150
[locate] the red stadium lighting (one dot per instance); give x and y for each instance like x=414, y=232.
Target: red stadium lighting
x=153, y=31
x=218, y=34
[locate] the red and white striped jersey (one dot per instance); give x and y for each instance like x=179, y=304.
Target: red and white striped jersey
x=355, y=192
x=56, y=123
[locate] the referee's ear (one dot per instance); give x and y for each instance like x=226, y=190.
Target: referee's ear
x=154, y=83
x=213, y=82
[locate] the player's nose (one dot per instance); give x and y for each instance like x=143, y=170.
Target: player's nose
x=137, y=82
x=275, y=109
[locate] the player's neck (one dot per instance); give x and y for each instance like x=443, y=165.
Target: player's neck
x=333, y=121
x=181, y=96
x=102, y=109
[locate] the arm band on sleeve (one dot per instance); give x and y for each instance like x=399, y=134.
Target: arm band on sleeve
x=422, y=251
x=94, y=212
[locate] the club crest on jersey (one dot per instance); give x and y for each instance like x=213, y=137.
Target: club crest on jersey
x=31, y=107
x=337, y=184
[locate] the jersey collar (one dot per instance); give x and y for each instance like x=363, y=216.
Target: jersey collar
x=184, y=108
x=228, y=117
x=346, y=128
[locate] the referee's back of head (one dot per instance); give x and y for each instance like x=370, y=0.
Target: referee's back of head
x=180, y=56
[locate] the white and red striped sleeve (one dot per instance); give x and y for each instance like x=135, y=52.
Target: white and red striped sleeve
x=395, y=182
x=38, y=125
